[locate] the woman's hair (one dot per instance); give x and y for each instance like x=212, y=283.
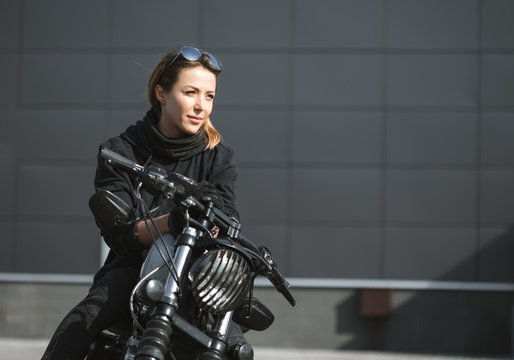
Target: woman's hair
x=166, y=75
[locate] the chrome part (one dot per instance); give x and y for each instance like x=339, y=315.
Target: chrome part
x=190, y=231
x=223, y=325
x=182, y=252
x=154, y=290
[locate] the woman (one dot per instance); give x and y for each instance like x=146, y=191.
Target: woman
x=177, y=135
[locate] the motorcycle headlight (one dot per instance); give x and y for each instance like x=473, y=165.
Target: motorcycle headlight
x=220, y=280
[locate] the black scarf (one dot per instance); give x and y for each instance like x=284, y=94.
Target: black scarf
x=170, y=148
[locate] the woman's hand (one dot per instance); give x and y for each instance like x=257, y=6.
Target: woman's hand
x=206, y=189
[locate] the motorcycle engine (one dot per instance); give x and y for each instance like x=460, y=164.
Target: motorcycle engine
x=220, y=280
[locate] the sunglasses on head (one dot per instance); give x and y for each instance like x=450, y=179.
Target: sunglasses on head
x=193, y=54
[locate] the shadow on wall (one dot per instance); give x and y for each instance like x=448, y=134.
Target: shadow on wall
x=441, y=321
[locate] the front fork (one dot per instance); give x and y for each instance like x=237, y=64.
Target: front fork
x=156, y=337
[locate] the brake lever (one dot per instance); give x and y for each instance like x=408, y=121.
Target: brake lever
x=275, y=277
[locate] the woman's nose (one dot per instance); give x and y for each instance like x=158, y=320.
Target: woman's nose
x=199, y=105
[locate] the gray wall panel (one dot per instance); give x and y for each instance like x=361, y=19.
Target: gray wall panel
x=129, y=77
x=47, y=191
x=84, y=129
x=437, y=24
x=497, y=196
x=336, y=195
x=253, y=79
x=430, y=253
x=7, y=181
x=338, y=24
x=498, y=26
x=8, y=124
x=497, y=145
x=432, y=80
x=367, y=110
x=63, y=79
x=245, y=131
x=334, y=80
x=66, y=24
x=9, y=24
x=119, y=120
x=163, y=24
x=256, y=25
x=431, y=138
x=274, y=237
x=431, y=196
x=8, y=96
x=495, y=255
x=498, y=80
x=67, y=245
x=335, y=252
x=262, y=195
x=7, y=243
x=337, y=137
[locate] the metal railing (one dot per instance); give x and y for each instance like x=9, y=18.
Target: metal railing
x=305, y=283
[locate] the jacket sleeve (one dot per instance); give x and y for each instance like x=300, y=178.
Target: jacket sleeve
x=122, y=240
x=223, y=176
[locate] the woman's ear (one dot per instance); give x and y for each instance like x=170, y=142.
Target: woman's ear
x=159, y=93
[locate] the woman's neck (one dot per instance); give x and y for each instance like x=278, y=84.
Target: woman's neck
x=167, y=129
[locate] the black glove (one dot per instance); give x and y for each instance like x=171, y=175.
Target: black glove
x=177, y=219
x=207, y=190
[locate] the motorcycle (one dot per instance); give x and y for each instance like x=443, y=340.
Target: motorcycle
x=191, y=288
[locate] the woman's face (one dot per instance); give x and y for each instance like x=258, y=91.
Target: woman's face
x=188, y=104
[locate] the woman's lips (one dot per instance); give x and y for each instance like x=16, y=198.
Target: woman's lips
x=195, y=119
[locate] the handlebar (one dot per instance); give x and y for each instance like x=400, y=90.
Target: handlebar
x=117, y=160
x=149, y=175
x=180, y=187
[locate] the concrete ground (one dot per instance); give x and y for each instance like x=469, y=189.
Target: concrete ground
x=22, y=349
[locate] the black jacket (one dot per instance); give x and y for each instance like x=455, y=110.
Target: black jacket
x=144, y=144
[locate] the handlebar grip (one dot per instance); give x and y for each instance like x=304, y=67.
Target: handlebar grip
x=111, y=156
x=116, y=160
x=282, y=285
x=283, y=288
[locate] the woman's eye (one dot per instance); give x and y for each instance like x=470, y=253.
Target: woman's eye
x=190, y=92
x=210, y=96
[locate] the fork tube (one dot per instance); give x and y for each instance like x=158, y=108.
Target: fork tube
x=223, y=325
x=156, y=336
x=185, y=243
